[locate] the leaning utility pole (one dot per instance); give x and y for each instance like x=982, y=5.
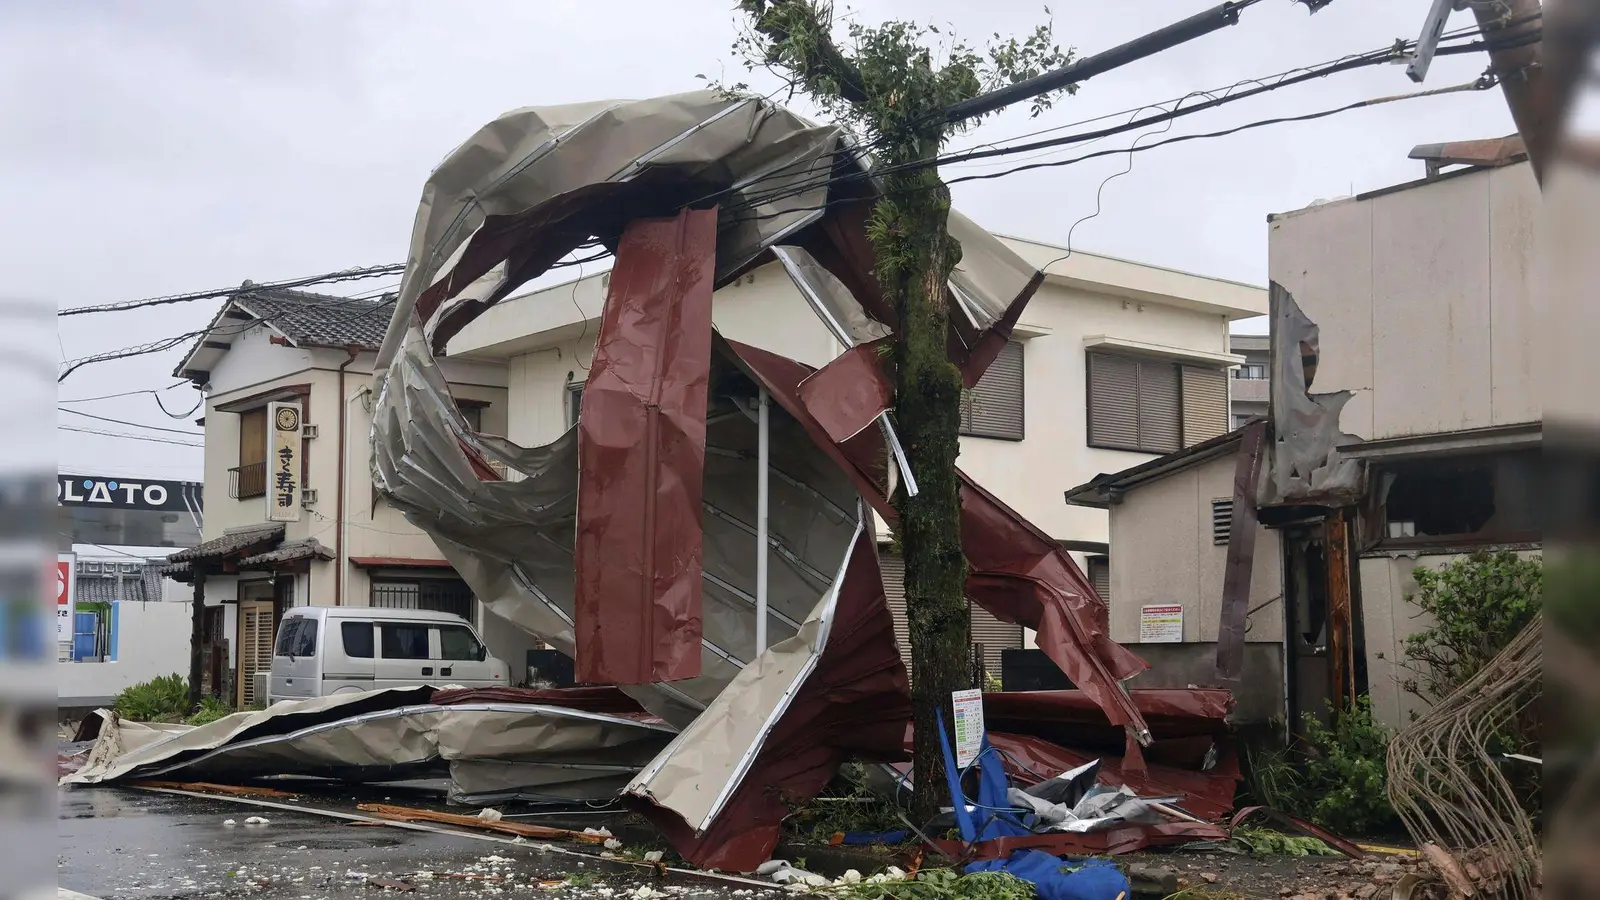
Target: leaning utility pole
x=889, y=88
x=1513, y=30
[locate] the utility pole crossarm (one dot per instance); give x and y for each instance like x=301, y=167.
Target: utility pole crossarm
x=1181, y=32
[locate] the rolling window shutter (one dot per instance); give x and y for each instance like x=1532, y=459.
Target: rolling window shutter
x=1160, y=416
x=253, y=437
x=1100, y=576
x=995, y=636
x=1113, y=401
x=993, y=408
x=1205, y=404
x=894, y=587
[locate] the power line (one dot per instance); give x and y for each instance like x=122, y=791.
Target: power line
x=130, y=424
x=123, y=394
x=131, y=437
x=354, y=274
x=1378, y=56
x=167, y=343
x=1483, y=83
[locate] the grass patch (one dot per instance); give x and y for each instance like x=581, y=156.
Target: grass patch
x=209, y=710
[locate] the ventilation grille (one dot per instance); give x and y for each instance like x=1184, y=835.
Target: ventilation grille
x=1221, y=520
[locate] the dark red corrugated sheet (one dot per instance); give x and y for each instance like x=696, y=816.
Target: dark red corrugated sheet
x=1015, y=571
x=641, y=458
x=847, y=394
x=596, y=699
x=855, y=705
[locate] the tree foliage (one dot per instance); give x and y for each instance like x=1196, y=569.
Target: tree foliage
x=1476, y=605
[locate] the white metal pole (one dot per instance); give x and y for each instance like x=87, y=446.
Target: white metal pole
x=763, y=465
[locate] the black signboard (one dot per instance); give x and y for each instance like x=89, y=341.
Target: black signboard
x=145, y=494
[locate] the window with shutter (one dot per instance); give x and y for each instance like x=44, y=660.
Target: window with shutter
x=993, y=408
x=1205, y=404
x=1135, y=404
x=894, y=589
x=1100, y=576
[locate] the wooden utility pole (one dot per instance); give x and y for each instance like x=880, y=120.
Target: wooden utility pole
x=1513, y=29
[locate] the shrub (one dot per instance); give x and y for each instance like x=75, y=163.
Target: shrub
x=1477, y=604
x=162, y=699
x=209, y=710
x=1344, y=784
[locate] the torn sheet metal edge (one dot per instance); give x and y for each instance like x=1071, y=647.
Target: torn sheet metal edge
x=401, y=712
x=786, y=256
x=632, y=169
x=652, y=868
x=824, y=628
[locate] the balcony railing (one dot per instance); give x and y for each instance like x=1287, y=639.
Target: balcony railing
x=247, y=481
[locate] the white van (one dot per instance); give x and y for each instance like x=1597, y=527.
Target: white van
x=325, y=650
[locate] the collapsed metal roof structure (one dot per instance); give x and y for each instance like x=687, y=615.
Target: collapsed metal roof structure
x=630, y=543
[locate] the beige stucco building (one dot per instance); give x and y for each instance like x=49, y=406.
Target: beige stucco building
x=345, y=546
x=1403, y=410
x=1113, y=363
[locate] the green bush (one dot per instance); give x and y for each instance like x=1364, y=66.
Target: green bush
x=209, y=710
x=1344, y=783
x=1477, y=604
x=163, y=699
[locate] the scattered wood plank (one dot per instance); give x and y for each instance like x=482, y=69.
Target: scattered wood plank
x=407, y=814
x=206, y=787
x=1449, y=870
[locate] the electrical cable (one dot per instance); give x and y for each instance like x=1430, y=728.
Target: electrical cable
x=354, y=274
x=198, y=434
x=124, y=394
x=131, y=437
x=1378, y=56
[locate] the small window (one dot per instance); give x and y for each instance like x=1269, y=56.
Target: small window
x=1251, y=372
x=574, y=398
x=1100, y=576
x=404, y=641
x=994, y=407
x=357, y=637
x=1221, y=520
x=458, y=643
x=287, y=636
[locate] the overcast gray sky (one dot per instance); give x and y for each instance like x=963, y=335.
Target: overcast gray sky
x=159, y=147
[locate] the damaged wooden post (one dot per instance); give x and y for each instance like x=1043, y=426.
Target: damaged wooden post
x=197, y=617
x=1241, y=552
x=1341, y=636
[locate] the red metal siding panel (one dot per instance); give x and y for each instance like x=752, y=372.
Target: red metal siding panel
x=641, y=458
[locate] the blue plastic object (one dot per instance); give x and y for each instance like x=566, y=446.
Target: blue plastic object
x=1053, y=877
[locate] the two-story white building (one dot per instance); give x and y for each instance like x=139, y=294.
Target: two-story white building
x=344, y=545
x=1113, y=363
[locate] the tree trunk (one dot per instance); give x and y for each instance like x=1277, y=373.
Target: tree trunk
x=915, y=257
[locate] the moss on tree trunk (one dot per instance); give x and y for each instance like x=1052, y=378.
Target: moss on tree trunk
x=915, y=257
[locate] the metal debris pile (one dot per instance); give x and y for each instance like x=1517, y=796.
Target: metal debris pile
x=629, y=542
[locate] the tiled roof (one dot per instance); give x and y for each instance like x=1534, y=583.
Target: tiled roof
x=230, y=543
x=306, y=319
x=320, y=320
x=310, y=548
x=99, y=588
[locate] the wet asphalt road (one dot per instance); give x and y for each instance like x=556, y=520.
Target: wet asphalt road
x=124, y=844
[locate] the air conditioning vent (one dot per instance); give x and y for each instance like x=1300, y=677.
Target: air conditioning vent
x=1221, y=520
x=308, y=496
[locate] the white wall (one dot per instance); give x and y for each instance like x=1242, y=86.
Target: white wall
x=1388, y=618
x=152, y=640
x=1162, y=552
x=764, y=310
x=1423, y=298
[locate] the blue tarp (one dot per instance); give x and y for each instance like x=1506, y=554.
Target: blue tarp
x=991, y=816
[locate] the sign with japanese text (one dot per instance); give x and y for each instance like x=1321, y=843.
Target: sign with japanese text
x=283, y=462
x=66, y=594
x=1161, y=624
x=968, y=709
